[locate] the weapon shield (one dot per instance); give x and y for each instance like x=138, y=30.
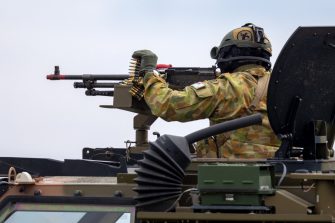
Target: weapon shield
x=302, y=85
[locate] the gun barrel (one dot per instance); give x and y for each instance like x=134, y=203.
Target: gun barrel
x=92, y=77
x=93, y=85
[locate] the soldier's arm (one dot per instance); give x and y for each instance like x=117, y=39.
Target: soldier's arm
x=192, y=103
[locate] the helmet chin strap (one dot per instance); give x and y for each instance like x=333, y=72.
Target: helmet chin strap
x=230, y=64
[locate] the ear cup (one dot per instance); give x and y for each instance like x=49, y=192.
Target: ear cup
x=214, y=52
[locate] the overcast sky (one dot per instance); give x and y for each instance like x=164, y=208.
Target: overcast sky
x=41, y=118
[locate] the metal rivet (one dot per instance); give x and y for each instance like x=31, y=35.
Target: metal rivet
x=37, y=192
x=78, y=193
x=118, y=193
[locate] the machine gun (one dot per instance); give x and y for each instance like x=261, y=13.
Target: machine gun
x=177, y=77
x=125, y=92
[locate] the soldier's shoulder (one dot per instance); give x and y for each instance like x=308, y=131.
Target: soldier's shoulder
x=203, y=89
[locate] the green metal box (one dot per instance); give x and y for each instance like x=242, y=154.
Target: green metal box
x=235, y=184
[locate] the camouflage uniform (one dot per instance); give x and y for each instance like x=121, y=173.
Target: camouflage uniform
x=227, y=97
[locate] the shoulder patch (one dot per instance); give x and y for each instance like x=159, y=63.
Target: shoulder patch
x=198, y=85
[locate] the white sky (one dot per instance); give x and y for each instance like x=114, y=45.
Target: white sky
x=40, y=118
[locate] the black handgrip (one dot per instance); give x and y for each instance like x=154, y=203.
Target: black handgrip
x=93, y=92
x=93, y=85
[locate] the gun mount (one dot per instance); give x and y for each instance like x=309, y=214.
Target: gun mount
x=295, y=186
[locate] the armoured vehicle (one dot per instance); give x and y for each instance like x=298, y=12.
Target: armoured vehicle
x=170, y=184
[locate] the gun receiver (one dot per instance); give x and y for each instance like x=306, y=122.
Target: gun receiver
x=180, y=77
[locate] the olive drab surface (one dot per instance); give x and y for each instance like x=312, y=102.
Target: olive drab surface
x=164, y=181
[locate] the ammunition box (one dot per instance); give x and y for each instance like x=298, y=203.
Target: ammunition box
x=234, y=184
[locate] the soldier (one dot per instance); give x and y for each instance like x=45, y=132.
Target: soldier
x=243, y=58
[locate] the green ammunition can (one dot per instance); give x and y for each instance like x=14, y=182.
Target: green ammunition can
x=235, y=184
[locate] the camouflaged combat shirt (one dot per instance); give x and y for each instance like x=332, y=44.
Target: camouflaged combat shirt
x=227, y=97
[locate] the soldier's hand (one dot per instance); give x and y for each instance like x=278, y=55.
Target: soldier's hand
x=148, y=59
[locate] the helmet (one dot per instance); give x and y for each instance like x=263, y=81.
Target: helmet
x=247, y=44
